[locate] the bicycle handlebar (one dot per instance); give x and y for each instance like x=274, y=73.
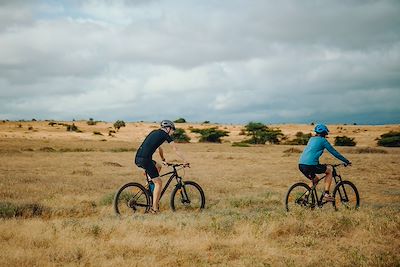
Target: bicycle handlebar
x=340, y=164
x=184, y=165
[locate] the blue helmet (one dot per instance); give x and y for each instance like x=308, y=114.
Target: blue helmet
x=321, y=129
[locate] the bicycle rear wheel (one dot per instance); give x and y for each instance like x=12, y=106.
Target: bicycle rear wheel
x=189, y=197
x=131, y=198
x=299, y=196
x=346, y=196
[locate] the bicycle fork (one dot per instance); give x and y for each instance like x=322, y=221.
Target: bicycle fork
x=182, y=190
x=341, y=190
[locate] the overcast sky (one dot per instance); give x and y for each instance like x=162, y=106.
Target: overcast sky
x=227, y=61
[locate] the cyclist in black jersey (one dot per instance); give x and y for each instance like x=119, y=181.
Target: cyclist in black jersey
x=144, y=154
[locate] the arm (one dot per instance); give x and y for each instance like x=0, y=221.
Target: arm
x=161, y=152
x=178, y=152
x=335, y=153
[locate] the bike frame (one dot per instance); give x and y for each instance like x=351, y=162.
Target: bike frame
x=175, y=175
x=337, y=179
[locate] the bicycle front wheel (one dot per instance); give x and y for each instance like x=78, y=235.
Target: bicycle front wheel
x=131, y=198
x=189, y=197
x=346, y=196
x=299, y=196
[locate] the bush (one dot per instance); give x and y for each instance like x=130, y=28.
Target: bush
x=72, y=128
x=119, y=124
x=28, y=210
x=301, y=139
x=260, y=134
x=180, y=136
x=344, y=141
x=390, y=139
x=91, y=122
x=212, y=135
x=180, y=120
x=97, y=133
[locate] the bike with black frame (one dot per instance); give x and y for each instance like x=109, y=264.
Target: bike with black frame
x=134, y=198
x=345, y=194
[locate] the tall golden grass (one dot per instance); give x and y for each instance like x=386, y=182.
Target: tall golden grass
x=60, y=185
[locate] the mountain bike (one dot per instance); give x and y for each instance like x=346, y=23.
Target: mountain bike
x=345, y=194
x=134, y=198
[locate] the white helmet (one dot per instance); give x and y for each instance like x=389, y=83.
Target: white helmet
x=167, y=123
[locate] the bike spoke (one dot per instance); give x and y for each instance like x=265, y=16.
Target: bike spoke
x=188, y=197
x=131, y=199
x=299, y=197
x=346, y=196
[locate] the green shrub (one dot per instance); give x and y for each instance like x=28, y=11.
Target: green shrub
x=344, y=141
x=72, y=128
x=180, y=120
x=260, y=134
x=212, y=135
x=119, y=124
x=390, y=139
x=91, y=122
x=180, y=136
x=29, y=210
x=301, y=139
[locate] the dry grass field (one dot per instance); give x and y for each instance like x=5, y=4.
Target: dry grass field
x=56, y=187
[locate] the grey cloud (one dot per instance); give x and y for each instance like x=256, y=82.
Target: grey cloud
x=211, y=60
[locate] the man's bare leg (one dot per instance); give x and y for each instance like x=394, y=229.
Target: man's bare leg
x=157, y=192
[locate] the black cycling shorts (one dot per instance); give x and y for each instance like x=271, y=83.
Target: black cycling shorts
x=310, y=171
x=148, y=165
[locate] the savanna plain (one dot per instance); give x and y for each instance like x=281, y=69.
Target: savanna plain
x=56, y=190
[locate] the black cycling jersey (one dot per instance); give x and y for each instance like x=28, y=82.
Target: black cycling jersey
x=155, y=139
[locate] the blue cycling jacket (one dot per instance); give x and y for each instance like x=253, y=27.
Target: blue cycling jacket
x=314, y=149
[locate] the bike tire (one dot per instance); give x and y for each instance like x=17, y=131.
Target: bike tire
x=296, y=197
x=346, y=195
x=189, y=197
x=131, y=198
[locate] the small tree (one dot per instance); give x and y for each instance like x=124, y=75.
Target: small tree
x=390, y=139
x=180, y=120
x=212, y=135
x=91, y=121
x=301, y=139
x=119, y=124
x=344, y=141
x=180, y=136
x=73, y=128
x=260, y=133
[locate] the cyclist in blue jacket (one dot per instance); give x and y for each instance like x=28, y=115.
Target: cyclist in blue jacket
x=309, y=160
